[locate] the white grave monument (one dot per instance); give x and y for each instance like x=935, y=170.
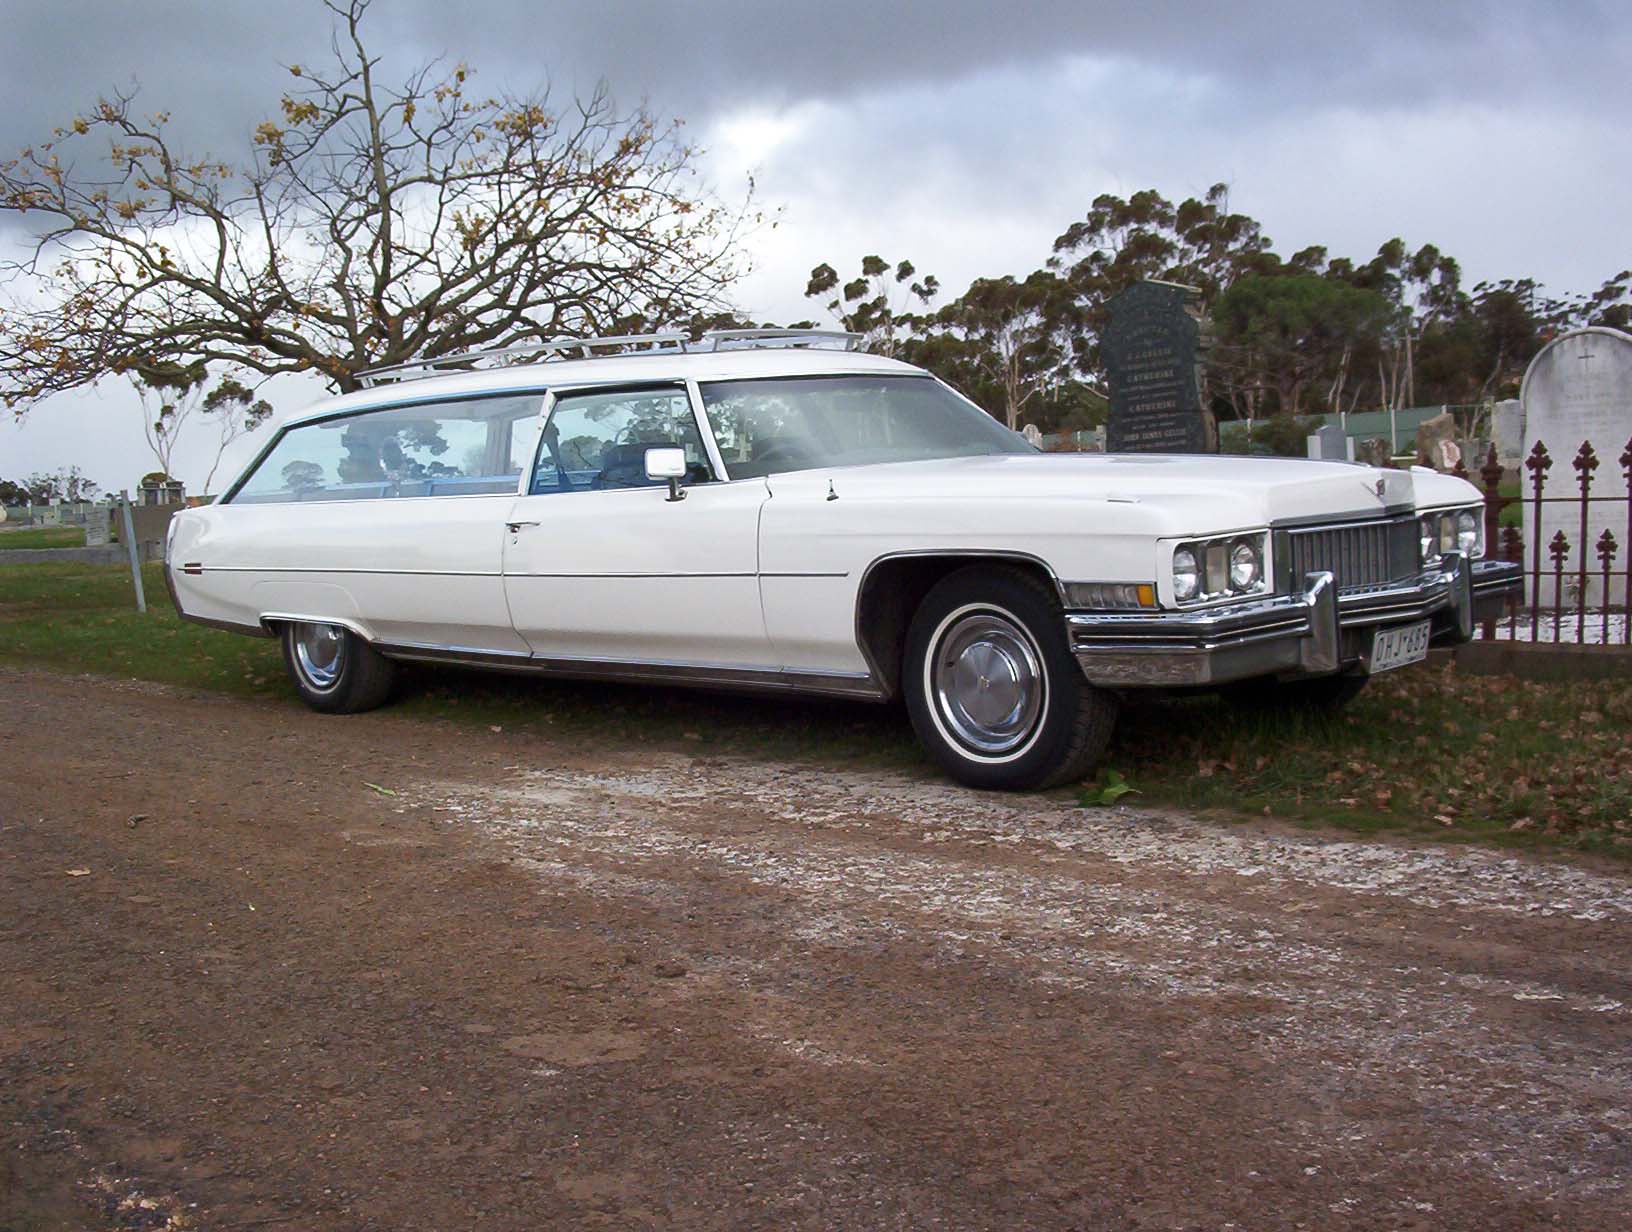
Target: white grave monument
x=1578, y=388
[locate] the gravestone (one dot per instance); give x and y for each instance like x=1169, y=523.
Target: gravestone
x=1150, y=350
x=1433, y=435
x=96, y=526
x=1330, y=443
x=1374, y=451
x=1507, y=431
x=1578, y=388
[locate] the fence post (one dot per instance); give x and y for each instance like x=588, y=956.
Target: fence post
x=1513, y=550
x=130, y=550
x=1626, y=469
x=1491, y=473
x=1606, y=554
x=1538, y=464
x=1586, y=461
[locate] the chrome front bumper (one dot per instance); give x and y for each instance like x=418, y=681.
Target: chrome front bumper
x=1315, y=633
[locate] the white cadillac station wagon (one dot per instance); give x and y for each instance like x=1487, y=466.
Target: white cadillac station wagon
x=775, y=510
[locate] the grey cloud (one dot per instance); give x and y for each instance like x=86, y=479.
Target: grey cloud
x=215, y=66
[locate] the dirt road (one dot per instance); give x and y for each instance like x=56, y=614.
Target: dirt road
x=515, y=984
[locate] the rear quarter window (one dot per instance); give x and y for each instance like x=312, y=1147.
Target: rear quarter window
x=467, y=447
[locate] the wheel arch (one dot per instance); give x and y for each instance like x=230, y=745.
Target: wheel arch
x=272, y=623
x=894, y=584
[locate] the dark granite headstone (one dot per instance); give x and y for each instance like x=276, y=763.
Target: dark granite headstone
x=1150, y=349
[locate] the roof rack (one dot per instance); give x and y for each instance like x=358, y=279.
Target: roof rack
x=606, y=346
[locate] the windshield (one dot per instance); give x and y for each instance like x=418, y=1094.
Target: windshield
x=796, y=423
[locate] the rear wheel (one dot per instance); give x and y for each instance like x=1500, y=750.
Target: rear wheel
x=333, y=669
x=994, y=694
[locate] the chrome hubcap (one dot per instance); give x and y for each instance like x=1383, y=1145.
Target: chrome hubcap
x=320, y=650
x=989, y=683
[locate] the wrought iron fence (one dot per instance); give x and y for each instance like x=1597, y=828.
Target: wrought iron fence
x=1560, y=574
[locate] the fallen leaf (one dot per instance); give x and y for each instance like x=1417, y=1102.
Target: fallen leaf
x=384, y=791
x=79, y=872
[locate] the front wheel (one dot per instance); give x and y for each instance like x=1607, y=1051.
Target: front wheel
x=333, y=669
x=993, y=692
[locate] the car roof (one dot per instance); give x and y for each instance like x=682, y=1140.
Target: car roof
x=746, y=363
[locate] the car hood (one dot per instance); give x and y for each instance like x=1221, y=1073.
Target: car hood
x=1194, y=492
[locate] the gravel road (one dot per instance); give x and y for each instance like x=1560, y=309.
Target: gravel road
x=260, y=966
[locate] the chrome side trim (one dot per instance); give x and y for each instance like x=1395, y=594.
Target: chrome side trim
x=467, y=656
x=639, y=671
x=348, y=569
x=483, y=573
x=268, y=619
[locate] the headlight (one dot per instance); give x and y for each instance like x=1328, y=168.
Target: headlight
x=1453, y=530
x=1447, y=532
x=1467, y=532
x=1438, y=531
x=1186, y=575
x=1245, y=566
x=1225, y=567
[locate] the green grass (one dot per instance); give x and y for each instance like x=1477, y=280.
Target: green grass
x=1426, y=750
x=1423, y=751
x=43, y=537
x=1513, y=512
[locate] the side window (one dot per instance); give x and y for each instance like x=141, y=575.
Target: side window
x=596, y=441
x=470, y=447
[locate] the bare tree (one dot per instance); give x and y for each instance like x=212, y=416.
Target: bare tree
x=373, y=225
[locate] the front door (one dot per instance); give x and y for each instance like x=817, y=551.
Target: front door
x=601, y=565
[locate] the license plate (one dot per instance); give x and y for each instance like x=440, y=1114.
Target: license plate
x=1399, y=646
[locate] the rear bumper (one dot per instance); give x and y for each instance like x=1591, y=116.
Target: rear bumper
x=1316, y=632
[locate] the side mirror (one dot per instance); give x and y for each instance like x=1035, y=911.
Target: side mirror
x=667, y=462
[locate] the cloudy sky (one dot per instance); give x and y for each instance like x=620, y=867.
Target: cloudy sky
x=962, y=135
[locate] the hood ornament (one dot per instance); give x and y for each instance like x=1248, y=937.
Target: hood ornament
x=1381, y=487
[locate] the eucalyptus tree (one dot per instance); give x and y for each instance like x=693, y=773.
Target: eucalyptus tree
x=877, y=302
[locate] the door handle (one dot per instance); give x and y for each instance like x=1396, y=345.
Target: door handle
x=513, y=527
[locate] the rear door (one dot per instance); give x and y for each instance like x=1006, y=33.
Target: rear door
x=601, y=565
x=390, y=520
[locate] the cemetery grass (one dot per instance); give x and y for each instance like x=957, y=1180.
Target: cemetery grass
x=1426, y=752
x=42, y=537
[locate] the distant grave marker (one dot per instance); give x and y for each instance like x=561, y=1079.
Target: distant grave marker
x=96, y=526
x=1331, y=443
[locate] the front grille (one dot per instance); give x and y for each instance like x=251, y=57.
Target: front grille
x=1362, y=554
